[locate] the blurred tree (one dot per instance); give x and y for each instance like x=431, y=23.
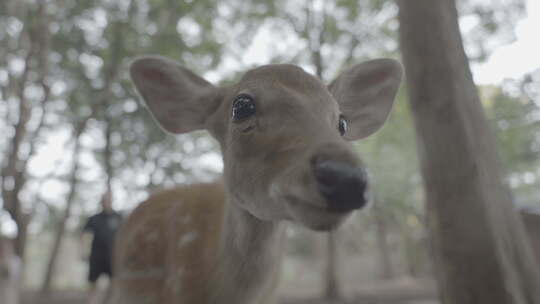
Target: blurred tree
x=381, y=228
x=482, y=254
x=63, y=66
x=335, y=34
x=513, y=114
x=341, y=33
x=61, y=229
x=393, y=165
x=26, y=87
x=86, y=100
x=488, y=25
x=92, y=44
x=392, y=157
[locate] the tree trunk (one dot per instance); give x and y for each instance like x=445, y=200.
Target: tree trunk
x=35, y=41
x=410, y=253
x=111, y=74
x=385, y=263
x=13, y=177
x=10, y=273
x=331, y=284
x=61, y=229
x=482, y=254
x=107, y=152
x=316, y=42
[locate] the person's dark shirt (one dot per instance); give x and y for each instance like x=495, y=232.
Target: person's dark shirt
x=103, y=226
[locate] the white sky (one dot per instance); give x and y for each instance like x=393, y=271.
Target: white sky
x=518, y=58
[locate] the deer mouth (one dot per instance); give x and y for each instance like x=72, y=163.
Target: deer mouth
x=315, y=216
x=304, y=203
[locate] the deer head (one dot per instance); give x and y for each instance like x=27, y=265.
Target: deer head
x=285, y=136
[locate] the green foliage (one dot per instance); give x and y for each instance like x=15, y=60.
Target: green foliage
x=89, y=45
x=510, y=117
x=488, y=24
x=514, y=118
x=391, y=157
x=335, y=34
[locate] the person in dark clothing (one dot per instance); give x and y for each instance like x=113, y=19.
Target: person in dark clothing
x=102, y=227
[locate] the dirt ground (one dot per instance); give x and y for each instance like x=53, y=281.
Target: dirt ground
x=78, y=297
x=398, y=291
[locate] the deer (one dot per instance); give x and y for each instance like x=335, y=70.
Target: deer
x=285, y=139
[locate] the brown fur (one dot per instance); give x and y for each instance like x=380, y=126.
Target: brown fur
x=213, y=243
x=169, y=243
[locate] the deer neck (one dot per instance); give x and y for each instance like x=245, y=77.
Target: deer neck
x=249, y=255
x=248, y=237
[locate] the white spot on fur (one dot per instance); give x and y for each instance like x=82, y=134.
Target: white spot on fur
x=174, y=280
x=153, y=236
x=180, y=270
x=187, y=238
x=275, y=190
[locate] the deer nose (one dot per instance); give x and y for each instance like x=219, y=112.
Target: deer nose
x=342, y=185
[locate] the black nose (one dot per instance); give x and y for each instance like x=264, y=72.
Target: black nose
x=344, y=186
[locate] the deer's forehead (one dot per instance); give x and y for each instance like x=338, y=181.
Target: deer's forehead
x=284, y=74
x=281, y=81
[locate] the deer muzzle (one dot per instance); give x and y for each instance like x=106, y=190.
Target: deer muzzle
x=343, y=185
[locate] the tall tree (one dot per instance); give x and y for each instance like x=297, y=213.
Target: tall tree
x=26, y=91
x=93, y=41
x=61, y=229
x=381, y=229
x=334, y=34
x=391, y=159
x=513, y=113
x=482, y=254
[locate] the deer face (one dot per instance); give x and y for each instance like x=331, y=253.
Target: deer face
x=283, y=133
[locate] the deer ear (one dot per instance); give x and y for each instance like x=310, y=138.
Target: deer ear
x=178, y=99
x=365, y=94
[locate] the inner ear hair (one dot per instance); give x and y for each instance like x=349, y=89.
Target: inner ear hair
x=177, y=98
x=365, y=94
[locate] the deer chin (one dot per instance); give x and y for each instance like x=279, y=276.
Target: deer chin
x=311, y=213
x=284, y=137
x=314, y=216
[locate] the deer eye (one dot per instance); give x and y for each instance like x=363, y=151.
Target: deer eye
x=243, y=107
x=342, y=125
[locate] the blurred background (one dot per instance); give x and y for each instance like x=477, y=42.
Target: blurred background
x=72, y=126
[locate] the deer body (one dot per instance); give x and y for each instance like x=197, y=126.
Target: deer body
x=283, y=135
x=168, y=251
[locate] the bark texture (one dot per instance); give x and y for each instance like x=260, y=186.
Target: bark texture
x=482, y=255
x=34, y=42
x=383, y=246
x=10, y=273
x=331, y=281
